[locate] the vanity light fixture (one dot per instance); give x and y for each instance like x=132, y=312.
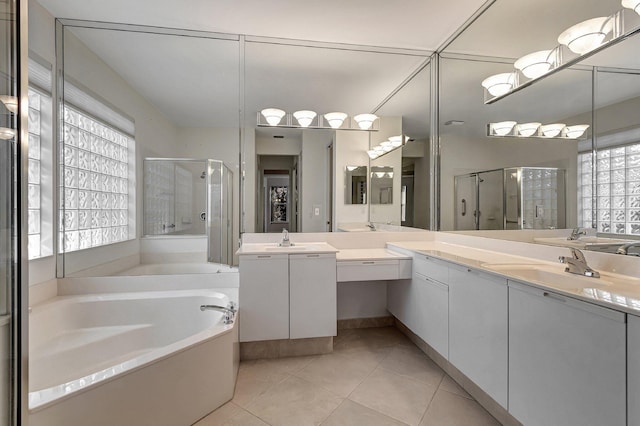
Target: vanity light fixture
x=389, y=145
x=527, y=129
x=273, y=115
x=304, y=117
x=500, y=84
x=503, y=128
x=536, y=64
x=587, y=35
x=10, y=102
x=7, y=133
x=396, y=141
x=379, y=174
x=552, y=130
x=373, y=154
x=365, y=121
x=574, y=132
x=351, y=168
x=335, y=119
x=632, y=4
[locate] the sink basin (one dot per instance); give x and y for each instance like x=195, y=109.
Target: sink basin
x=582, y=242
x=545, y=275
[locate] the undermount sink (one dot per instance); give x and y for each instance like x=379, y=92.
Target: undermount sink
x=542, y=274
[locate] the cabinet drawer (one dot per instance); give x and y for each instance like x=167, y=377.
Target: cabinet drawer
x=435, y=269
x=368, y=270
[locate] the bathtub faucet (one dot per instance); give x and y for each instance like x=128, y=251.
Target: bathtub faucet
x=229, y=311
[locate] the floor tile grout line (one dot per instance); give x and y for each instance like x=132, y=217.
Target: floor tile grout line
x=432, y=398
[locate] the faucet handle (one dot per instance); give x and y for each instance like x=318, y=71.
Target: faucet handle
x=578, y=255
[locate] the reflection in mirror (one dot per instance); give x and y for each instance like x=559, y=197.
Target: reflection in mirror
x=175, y=197
x=326, y=78
x=355, y=185
x=467, y=149
x=382, y=182
x=125, y=100
x=613, y=206
x=411, y=103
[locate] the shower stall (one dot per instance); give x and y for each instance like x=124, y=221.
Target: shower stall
x=185, y=196
x=511, y=198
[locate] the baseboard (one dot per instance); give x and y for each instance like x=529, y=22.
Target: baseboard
x=345, y=324
x=285, y=348
x=489, y=404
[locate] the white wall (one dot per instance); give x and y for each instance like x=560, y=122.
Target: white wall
x=314, y=171
x=349, y=149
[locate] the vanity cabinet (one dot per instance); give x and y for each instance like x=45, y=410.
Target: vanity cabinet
x=264, y=297
x=432, y=312
x=478, y=329
x=312, y=295
x=633, y=370
x=287, y=296
x=566, y=360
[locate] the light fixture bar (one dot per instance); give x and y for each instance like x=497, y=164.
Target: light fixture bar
x=385, y=147
x=619, y=26
x=511, y=129
x=319, y=121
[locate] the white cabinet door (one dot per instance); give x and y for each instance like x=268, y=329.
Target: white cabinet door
x=432, y=308
x=633, y=370
x=312, y=290
x=566, y=360
x=264, y=297
x=478, y=329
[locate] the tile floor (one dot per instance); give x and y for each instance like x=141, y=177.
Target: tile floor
x=375, y=376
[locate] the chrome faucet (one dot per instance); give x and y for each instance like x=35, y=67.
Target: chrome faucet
x=229, y=311
x=577, y=264
x=372, y=226
x=625, y=248
x=285, y=239
x=575, y=234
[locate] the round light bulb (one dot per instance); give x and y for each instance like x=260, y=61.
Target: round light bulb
x=535, y=64
x=10, y=102
x=576, y=131
x=499, y=84
x=527, y=129
x=586, y=36
x=365, y=121
x=552, y=130
x=272, y=115
x=503, y=128
x=304, y=117
x=335, y=119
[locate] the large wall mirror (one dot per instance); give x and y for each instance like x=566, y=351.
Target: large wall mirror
x=321, y=77
x=134, y=93
x=598, y=167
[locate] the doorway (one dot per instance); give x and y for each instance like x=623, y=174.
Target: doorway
x=278, y=196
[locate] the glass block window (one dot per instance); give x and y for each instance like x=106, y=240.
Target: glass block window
x=95, y=176
x=34, y=176
x=617, y=187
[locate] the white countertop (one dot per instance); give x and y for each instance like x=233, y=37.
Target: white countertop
x=294, y=248
x=616, y=291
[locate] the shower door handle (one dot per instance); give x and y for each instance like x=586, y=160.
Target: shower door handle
x=464, y=207
x=203, y=216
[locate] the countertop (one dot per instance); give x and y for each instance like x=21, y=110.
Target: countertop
x=615, y=291
x=294, y=248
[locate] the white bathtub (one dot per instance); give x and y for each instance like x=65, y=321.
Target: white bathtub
x=149, y=358
x=177, y=268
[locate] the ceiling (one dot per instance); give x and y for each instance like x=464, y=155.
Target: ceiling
x=415, y=24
